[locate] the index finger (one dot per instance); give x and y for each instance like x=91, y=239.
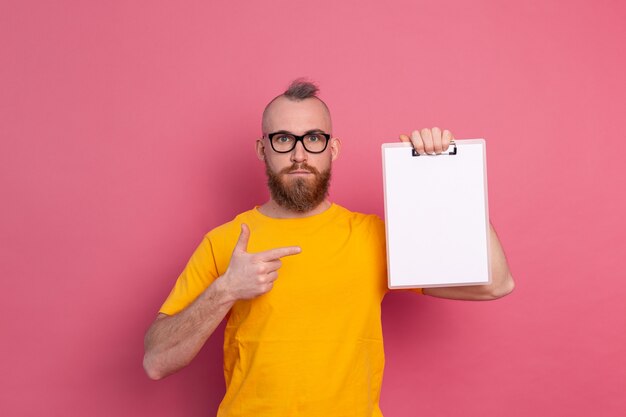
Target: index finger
x=272, y=254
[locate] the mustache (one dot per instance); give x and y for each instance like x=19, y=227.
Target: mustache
x=299, y=167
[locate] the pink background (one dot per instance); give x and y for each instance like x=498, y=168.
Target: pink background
x=127, y=132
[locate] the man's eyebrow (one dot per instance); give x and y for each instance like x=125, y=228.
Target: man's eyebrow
x=308, y=132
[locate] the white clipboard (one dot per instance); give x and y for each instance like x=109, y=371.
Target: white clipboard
x=436, y=215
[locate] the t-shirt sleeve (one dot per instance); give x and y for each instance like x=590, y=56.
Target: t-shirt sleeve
x=200, y=272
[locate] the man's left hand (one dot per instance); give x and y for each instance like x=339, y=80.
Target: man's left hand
x=429, y=141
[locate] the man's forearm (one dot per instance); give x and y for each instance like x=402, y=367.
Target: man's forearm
x=502, y=281
x=173, y=341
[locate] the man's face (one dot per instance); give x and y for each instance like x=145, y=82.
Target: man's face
x=298, y=180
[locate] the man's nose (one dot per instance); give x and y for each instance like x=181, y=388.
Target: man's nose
x=298, y=154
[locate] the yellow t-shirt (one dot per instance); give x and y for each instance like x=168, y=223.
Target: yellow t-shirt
x=313, y=345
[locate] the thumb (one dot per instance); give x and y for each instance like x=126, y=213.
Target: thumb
x=242, y=243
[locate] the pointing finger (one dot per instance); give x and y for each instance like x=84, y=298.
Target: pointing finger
x=404, y=138
x=272, y=254
x=244, y=236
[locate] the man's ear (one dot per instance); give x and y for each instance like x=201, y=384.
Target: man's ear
x=260, y=150
x=335, y=147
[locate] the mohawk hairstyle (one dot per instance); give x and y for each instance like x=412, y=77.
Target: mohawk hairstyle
x=300, y=89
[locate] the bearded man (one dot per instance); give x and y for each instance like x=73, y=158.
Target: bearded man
x=300, y=279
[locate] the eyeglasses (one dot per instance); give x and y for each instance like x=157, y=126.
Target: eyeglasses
x=285, y=142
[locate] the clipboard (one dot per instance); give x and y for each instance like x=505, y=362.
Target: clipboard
x=436, y=215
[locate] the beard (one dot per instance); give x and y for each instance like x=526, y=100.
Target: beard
x=301, y=194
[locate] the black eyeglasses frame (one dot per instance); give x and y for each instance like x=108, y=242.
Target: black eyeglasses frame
x=298, y=139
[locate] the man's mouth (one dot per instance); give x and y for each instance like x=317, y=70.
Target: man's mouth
x=300, y=170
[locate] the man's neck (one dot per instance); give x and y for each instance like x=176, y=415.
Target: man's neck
x=272, y=209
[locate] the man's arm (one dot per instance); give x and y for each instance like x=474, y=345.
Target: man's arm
x=172, y=342
x=501, y=280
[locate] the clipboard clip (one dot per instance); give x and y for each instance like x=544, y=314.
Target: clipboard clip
x=451, y=150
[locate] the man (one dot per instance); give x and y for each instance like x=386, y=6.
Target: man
x=301, y=280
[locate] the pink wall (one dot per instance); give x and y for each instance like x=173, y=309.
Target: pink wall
x=127, y=132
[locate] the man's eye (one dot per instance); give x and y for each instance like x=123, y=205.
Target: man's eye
x=283, y=139
x=313, y=138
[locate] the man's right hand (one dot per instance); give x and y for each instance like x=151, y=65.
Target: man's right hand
x=252, y=274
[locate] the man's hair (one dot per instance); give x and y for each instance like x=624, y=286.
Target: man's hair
x=299, y=89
